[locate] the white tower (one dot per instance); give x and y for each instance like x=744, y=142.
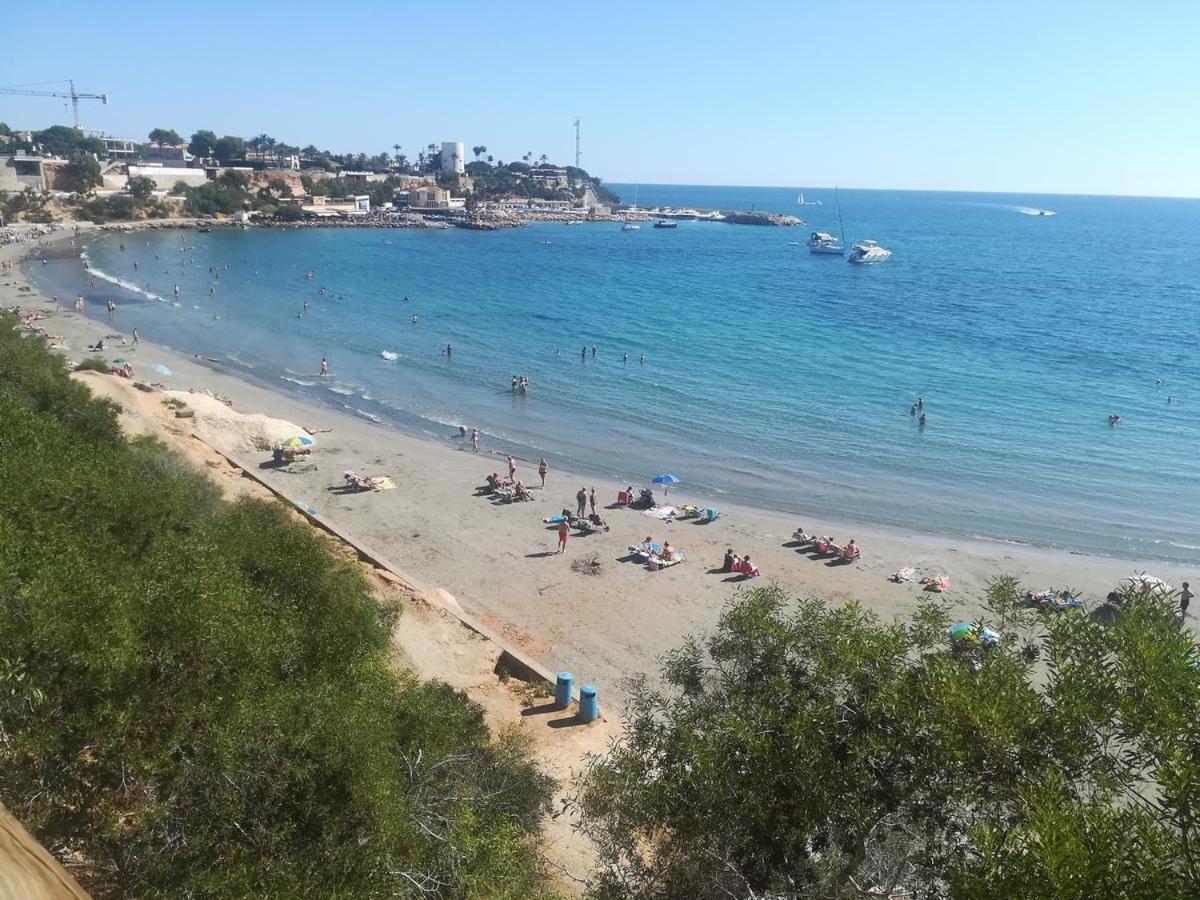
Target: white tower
x=453, y=157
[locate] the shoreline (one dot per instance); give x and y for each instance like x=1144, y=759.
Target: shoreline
x=728, y=487
x=498, y=561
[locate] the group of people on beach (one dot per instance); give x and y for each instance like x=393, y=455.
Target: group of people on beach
x=739, y=564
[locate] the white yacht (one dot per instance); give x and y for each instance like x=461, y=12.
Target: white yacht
x=823, y=242
x=631, y=226
x=867, y=253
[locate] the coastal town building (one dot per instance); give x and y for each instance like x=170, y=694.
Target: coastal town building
x=117, y=148
x=165, y=177
x=168, y=153
x=21, y=171
x=433, y=197
x=271, y=160
x=328, y=207
x=453, y=158
x=550, y=176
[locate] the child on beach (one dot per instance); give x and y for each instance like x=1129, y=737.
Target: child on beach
x=563, y=531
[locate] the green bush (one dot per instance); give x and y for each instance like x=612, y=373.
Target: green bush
x=806, y=750
x=94, y=364
x=197, y=699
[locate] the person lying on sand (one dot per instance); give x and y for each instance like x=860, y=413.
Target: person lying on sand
x=313, y=429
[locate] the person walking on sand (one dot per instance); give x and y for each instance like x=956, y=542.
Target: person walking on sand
x=79, y=304
x=136, y=338
x=324, y=367
x=564, y=530
x=1185, y=597
x=581, y=502
x=475, y=439
x=543, y=468
x=512, y=467
x=592, y=499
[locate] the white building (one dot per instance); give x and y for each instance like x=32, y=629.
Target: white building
x=453, y=157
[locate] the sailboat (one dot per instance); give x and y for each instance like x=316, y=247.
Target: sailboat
x=628, y=225
x=801, y=201
x=825, y=243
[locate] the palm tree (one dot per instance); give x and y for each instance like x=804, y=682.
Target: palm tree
x=489, y=159
x=479, y=150
x=396, y=147
x=542, y=160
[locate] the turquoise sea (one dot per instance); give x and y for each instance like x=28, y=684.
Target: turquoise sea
x=772, y=376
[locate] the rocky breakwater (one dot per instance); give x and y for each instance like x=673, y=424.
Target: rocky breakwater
x=757, y=218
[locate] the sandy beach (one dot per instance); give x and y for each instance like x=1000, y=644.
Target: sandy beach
x=499, y=561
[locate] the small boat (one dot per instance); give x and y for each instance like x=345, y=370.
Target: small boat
x=631, y=226
x=664, y=223
x=823, y=242
x=800, y=201
x=868, y=253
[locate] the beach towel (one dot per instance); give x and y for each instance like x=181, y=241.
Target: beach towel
x=554, y=520
x=905, y=574
x=661, y=512
x=385, y=484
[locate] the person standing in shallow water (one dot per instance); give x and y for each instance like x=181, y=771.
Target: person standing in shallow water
x=583, y=353
x=324, y=367
x=475, y=439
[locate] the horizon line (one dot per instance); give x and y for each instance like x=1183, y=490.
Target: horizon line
x=811, y=187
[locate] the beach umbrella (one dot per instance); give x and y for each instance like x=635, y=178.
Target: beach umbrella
x=666, y=480
x=302, y=440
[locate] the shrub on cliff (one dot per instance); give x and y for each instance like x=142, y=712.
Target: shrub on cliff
x=810, y=751
x=197, y=699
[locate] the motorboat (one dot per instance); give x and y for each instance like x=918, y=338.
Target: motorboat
x=824, y=242
x=800, y=201
x=666, y=223
x=868, y=253
x=631, y=226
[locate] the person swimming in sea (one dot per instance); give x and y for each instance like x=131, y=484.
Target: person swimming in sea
x=921, y=421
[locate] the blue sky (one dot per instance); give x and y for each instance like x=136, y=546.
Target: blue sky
x=1067, y=96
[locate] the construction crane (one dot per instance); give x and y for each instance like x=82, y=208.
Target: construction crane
x=74, y=96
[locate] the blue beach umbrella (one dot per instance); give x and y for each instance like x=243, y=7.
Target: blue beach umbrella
x=666, y=480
